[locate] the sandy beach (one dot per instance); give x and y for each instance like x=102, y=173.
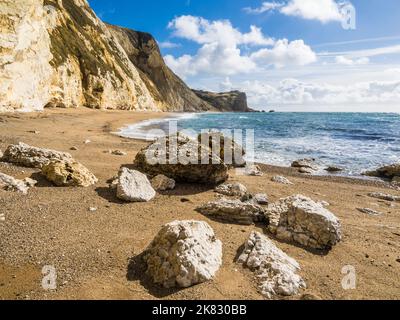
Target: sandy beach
x=93, y=251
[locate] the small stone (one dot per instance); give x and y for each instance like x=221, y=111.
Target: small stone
x=369, y=211
x=333, y=169
x=34, y=132
x=87, y=141
x=261, y=198
x=2, y=217
x=384, y=196
x=281, y=180
x=231, y=189
x=118, y=153
x=92, y=209
x=162, y=183
x=74, y=148
x=253, y=170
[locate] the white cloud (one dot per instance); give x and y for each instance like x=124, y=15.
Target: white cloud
x=169, y=45
x=295, y=92
x=365, y=53
x=204, y=31
x=220, y=52
x=321, y=10
x=350, y=62
x=265, y=7
x=285, y=53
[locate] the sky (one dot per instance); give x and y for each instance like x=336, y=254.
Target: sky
x=287, y=55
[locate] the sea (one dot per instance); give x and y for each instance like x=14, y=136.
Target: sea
x=355, y=142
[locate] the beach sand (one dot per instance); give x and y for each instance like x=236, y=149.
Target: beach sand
x=92, y=251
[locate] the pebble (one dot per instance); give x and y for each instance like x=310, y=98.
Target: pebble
x=92, y=209
x=87, y=141
x=74, y=148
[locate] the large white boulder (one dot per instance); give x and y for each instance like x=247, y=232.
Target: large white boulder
x=302, y=220
x=184, y=253
x=134, y=186
x=275, y=271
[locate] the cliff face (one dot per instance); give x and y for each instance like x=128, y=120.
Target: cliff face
x=234, y=101
x=57, y=53
x=166, y=88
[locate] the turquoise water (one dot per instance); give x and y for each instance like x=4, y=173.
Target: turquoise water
x=354, y=141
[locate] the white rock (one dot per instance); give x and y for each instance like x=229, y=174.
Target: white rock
x=28, y=156
x=11, y=184
x=253, y=170
x=2, y=217
x=302, y=220
x=281, y=180
x=133, y=186
x=233, y=211
x=184, y=253
x=87, y=141
x=275, y=271
x=231, y=189
x=261, y=198
x=30, y=182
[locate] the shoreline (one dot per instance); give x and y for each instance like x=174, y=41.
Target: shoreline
x=91, y=250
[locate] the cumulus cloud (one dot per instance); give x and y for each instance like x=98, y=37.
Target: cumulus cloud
x=285, y=53
x=169, y=45
x=295, y=92
x=220, y=51
x=351, y=62
x=321, y=10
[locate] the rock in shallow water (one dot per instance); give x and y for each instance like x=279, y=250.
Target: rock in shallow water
x=184, y=253
x=276, y=272
x=162, y=183
x=231, y=189
x=181, y=158
x=133, y=186
x=68, y=173
x=302, y=220
x=388, y=172
x=233, y=211
x=33, y=157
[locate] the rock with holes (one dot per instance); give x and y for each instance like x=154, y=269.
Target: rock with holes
x=281, y=180
x=162, y=183
x=182, y=159
x=184, y=253
x=133, y=186
x=302, y=220
x=276, y=272
x=233, y=211
x=68, y=173
x=231, y=189
x=33, y=157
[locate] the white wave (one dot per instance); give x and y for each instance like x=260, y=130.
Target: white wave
x=145, y=130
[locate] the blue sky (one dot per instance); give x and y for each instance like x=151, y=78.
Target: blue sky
x=293, y=54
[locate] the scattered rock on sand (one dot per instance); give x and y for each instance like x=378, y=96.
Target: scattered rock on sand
x=333, y=169
x=184, y=253
x=74, y=149
x=68, y=173
x=162, y=183
x=11, y=184
x=275, y=271
x=384, y=196
x=253, y=170
x=370, y=212
x=230, y=152
x=307, y=166
x=117, y=152
x=281, y=180
x=87, y=141
x=133, y=186
x=302, y=220
x=261, y=198
x=160, y=158
x=33, y=157
x=231, y=189
x=388, y=172
x=233, y=211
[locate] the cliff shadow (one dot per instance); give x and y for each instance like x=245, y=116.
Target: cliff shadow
x=136, y=271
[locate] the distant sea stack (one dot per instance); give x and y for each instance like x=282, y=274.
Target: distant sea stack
x=234, y=101
x=58, y=53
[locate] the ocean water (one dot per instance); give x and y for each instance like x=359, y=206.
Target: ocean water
x=354, y=141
